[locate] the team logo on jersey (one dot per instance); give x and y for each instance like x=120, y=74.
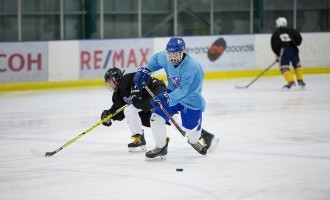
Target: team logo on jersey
x=134, y=90
x=285, y=37
x=175, y=80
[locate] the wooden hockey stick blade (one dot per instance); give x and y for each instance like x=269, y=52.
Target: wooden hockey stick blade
x=254, y=80
x=241, y=87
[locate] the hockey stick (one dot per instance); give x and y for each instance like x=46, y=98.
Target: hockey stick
x=254, y=80
x=165, y=111
x=48, y=154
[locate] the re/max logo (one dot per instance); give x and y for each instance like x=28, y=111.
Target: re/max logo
x=98, y=59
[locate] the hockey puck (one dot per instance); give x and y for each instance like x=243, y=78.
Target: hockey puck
x=179, y=169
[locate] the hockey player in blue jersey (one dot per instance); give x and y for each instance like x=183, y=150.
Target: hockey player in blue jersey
x=185, y=80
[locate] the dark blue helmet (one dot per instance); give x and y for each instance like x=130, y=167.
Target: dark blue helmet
x=175, y=48
x=175, y=44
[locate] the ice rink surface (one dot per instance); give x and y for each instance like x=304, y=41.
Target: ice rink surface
x=274, y=144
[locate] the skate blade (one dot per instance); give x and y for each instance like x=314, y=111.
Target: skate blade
x=301, y=87
x=213, y=145
x=159, y=158
x=137, y=149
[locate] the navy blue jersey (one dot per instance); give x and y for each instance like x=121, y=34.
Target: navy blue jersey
x=285, y=37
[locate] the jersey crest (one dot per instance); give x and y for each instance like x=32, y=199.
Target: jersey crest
x=175, y=80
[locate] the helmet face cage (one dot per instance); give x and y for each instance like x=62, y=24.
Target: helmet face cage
x=112, y=78
x=110, y=85
x=175, y=58
x=281, y=22
x=175, y=49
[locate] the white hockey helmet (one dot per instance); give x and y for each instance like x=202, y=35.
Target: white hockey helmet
x=281, y=22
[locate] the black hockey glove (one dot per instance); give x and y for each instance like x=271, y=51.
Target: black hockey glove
x=277, y=58
x=104, y=114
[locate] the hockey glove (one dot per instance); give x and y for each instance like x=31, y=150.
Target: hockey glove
x=277, y=58
x=129, y=100
x=163, y=98
x=104, y=114
x=142, y=77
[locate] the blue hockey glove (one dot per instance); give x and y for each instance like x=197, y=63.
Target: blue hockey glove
x=104, y=114
x=163, y=98
x=141, y=77
x=129, y=100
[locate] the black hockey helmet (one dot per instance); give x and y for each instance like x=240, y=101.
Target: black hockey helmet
x=113, y=74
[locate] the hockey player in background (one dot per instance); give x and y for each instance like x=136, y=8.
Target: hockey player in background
x=138, y=112
x=284, y=43
x=185, y=80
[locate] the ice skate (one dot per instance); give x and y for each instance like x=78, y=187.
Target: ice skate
x=289, y=85
x=301, y=83
x=138, y=143
x=158, y=153
x=209, y=141
x=199, y=148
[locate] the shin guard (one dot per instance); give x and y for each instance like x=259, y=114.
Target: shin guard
x=299, y=73
x=288, y=76
x=158, y=128
x=133, y=119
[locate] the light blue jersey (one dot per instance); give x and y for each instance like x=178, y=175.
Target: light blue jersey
x=185, y=81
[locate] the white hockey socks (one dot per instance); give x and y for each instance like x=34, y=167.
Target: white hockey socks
x=133, y=119
x=193, y=135
x=158, y=128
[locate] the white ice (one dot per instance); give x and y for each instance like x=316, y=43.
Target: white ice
x=274, y=144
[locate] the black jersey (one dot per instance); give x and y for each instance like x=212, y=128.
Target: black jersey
x=127, y=87
x=285, y=37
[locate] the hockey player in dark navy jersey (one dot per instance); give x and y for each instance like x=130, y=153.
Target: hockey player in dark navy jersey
x=284, y=43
